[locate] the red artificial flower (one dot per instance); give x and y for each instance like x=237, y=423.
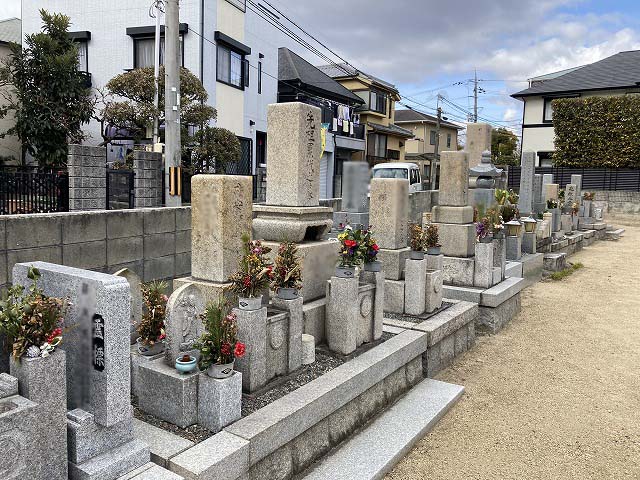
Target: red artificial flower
x=350, y=243
x=247, y=281
x=225, y=349
x=375, y=247
x=239, y=350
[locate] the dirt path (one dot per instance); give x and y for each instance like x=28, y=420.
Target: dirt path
x=556, y=394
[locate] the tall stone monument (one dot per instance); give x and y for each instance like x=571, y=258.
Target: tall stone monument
x=355, y=189
x=478, y=140
x=527, y=173
x=538, y=197
x=292, y=211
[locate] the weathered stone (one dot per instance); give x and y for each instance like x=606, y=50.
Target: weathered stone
x=252, y=331
x=221, y=214
x=355, y=186
x=457, y=240
x=310, y=445
x=529, y=242
x=527, y=172
x=343, y=422
x=389, y=208
x=8, y=385
x=136, y=299
x=434, y=262
x=163, y=444
x=495, y=318
x=376, y=323
x=183, y=325
x=86, y=439
x=372, y=401
x=577, y=181
x=538, y=198
x=571, y=196
x=547, y=179
x=454, y=179
x=293, y=152
x=219, y=401
x=551, y=191
x=342, y=315
x=414, y=296
x=483, y=270
x=393, y=262
x=277, y=466
x=308, y=349
x=459, y=215
x=394, y=292
x=433, y=291
x=458, y=271
x=478, y=140
x=514, y=248
x=395, y=384
x=292, y=224
x=296, y=326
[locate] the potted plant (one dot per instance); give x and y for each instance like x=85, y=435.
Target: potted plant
x=219, y=345
x=508, y=212
x=151, y=329
x=254, y=275
x=431, y=239
x=512, y=197
x=370, y=250
x=416, y=241
x=483, y=231
x=287, y=272
x=501, y=196
x=350, y=253
x=31, y=321
x=186, y=363
x=496, y=223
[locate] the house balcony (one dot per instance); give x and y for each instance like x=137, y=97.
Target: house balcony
x=358, y=131
x=353, y=142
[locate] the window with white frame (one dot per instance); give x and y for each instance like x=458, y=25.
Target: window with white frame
x=83, y=61
x=144, y=48
x=548, y=110
x=377, y=102
x=232, y=68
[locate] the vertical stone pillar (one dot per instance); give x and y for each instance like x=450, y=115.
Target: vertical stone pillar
x=570, y=196
x=514, y=248
x=538, y=198
x=527, y=172
x=547, y=178
x=389, y=211
x=219, y=401
x=148, y=169
x=296, y=326
x=500, y=255
x=551, y=191
x=577, y=181
x=252, y=331
x=483, y=272
x=220, y=215
x=415, y=275
x=87, y=168
x=478, y=140
x=529, y=242
x=342, y=315
x=433, y=291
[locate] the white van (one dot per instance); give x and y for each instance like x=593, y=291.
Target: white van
x=408, y=171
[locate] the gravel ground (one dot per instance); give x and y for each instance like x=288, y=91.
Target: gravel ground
x=556, y=394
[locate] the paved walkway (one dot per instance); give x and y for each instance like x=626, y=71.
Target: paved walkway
x=556, y=394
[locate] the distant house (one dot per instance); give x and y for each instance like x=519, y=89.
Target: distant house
x=615, y=75
x=300, y=81
x=421, y=148
x=385, y=141
x=10, y=147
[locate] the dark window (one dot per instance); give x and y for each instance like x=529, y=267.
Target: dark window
x=448, y=140
x=232, y=67
x=393, y=154
x=261, y=148
x=143, y=51
x=377, y=102
x=547, y=114
x=377, y=145
x=259, y=77
x=83, y=60
x=432, y=137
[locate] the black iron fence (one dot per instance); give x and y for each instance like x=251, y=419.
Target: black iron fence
x=32, y=191
x=120, y=189
x=627, y=179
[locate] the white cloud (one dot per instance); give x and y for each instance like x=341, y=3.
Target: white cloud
x=10, y=8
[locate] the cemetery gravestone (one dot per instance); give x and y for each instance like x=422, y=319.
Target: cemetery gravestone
x=136, y=300
x=183, y=324
x=527, y=172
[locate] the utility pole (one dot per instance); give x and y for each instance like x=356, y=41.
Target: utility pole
x=475, y=96
x=156, y=72
x=436, y=154
x=173, y=148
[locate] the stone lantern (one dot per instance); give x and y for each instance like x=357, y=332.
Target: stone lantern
x=513, y=228
x=529, y=224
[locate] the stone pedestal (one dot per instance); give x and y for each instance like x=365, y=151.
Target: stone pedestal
x=252, y=331
x=500, y=255
x=342, y=313
x=415, y=275
x=457, y=215
x=220, y=215
x=393, y=262
x=566, y=224
x=138, y=360
x=514, y=248
x=168, y=394
x=548, y=218
x=556, y=220
x=219, y=401
x=433, y=291
x=457, y=240
x=483, y=272
x=394, y=292
x=33, y=427
x=296, y=325
x=308, y=349
x=458, y=271
x=292, y=224
x=434, y=262
x=389, y=212
x=529, y=242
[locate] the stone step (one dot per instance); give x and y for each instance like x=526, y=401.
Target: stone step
x=513, y=269
x=163, y=444
x=151, y=471
x=112, y=464
x=374, y=451
x=614, y=234
x=554, y=262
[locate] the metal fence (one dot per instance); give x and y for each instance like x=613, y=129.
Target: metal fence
x=120, y=189
x=625, y=179
x=32, y=191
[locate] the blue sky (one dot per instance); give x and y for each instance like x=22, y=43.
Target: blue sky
x=428, y=47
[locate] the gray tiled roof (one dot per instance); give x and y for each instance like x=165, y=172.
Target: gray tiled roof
x=340, y=70
x=618, y=71
x=390, y=130
x=293, y=68
x=409, y=115
x=11, y=30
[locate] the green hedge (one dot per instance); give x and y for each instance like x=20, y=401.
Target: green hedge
x=597, y=131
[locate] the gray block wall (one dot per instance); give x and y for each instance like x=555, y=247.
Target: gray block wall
x=87, y=178
x=148, y=169
x=153, y=242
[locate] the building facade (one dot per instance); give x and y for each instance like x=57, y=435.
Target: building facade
x=385, y=141
x=233, y=52
x=10, y=146
x=615, y=75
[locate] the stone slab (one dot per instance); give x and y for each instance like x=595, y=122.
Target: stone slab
x=219, y=401
x=389, y=210
x=394, y=296
x=467, y=294
x=494, y=319
x=483, y=268
x=454, y=179
x=447, y=322
x=293, y=224
x=151, y=471
x=415, y=277
x=163, y=444
x=457, y=240
x=459, y=215
x=433, y=291
x=113, y=463
x=513, y=269
x=8, y=385
x=342, y=315
x=391, y=436
x=252, y=331
x=496, y=295
x=458, y=271
x=394, y=262
x=554, y=262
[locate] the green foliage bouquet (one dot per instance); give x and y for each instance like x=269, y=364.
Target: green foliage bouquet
x=219, y=343
x=154, y=302
x=255, y=272
x=287, y=271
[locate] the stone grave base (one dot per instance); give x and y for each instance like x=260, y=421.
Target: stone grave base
x=466, y=272
x=136, y=361
x=351, y=218
x=293, y=224
x=555, y=262
x=211, y=291
x=113, y=463
x=492, y=319
x=529, y=267
x=393, y=262
x=319, y=258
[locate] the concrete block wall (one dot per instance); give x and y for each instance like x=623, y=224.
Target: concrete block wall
x=148, y=169
x=153, y=242
x=620, y=202
x=87, y=168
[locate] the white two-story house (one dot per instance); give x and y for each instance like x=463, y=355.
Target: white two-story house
x=232, y=50
x=615, y=75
